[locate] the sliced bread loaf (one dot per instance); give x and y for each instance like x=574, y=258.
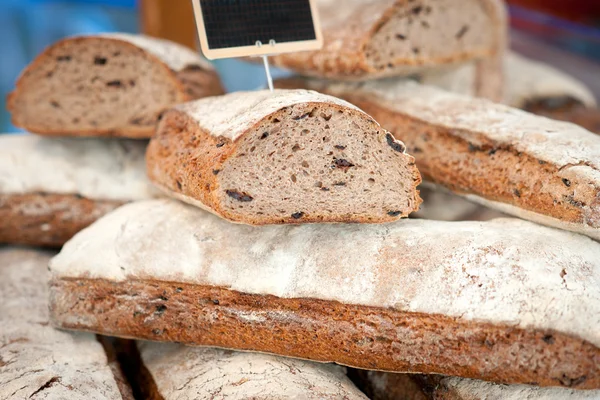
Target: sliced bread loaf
x=504, y=300
x=518, y=163
x=108, y=85
x=180, y=372
x=366, y=39
x=50, y=189
x=284, y=157
x=37, y=361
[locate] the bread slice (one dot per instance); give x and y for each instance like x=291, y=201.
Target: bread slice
x=504, y=300
x=518, y=163
x=50, y=189
x=376, y=38
x=176, y=372
x=108, y=85
x=283, y=157
x=37, y=361
x=387, y=386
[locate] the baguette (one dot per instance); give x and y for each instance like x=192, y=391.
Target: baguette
x=108, y=85
x=37, y=361
x=520, y=164
x=50, y=189
x=376, y=38
x=179, y=372
x=504, y=300
x=387, y=386
x=284, y=157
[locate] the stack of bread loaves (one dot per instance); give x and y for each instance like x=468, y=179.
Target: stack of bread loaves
x=280, y=231
x=110, y=89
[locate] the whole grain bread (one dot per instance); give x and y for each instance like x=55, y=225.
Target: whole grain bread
x=108, y=85
x=504, y=300
x=285, y=157
x=37, y=361
x=518, y=163
x=180, y=372
x=50, y=189
x=387, y=386
x=375, y=38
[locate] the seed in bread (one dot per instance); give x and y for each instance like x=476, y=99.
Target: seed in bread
x=366, y=39
x=51, y=188
x=518, y=163
x=108, y=85
x=36, y=360
x=284, y=157
x=504, y=300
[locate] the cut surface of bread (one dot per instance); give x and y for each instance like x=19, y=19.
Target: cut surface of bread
x=504, y=300
x=108, y=85
x=185, y=372
x=283, y=157
x=50, y=189
x=387, y=386
x=524, y=165
x=36, y=360
x=366, y=39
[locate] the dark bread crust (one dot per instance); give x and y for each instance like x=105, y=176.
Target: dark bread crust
x=358, y=336
x=48, y=220
x=387, y=386
x=589, y=118
x=191, y=83
x=173, y=165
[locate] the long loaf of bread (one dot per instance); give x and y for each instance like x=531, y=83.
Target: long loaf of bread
x=50, y=189
x=292, y=156
x=503, y=300
x=521, y=164
x=36, y=360
x=108, y=85
x=366, y=39
x=179, y=372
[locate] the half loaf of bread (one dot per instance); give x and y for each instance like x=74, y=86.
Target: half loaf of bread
x=375, y=38
x=291, y=156
x=108, y=85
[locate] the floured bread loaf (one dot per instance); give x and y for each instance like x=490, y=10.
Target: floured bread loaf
x=504, y=300
x=179, y=372
x=388, y=386
x=36, y=360
x=366, y=39
x=108, y=85
x=283, y=157
x=518, y=163
x=52, y=188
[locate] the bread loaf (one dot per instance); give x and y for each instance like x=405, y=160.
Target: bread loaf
x=180, y=372
x=50, y=189
x=283, y=157
x=387, y=386
x=518, y=163
x=375, y=38
x=503, y=300
x=108, y=85
x=37, y=361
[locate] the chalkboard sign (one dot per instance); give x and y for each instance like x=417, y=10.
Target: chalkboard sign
x=236, y=28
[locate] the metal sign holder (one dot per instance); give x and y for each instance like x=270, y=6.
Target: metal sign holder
x=265, y=58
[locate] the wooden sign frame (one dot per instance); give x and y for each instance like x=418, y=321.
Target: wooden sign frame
x=264, y=48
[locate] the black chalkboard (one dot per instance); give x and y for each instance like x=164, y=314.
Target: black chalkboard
x=228, y=24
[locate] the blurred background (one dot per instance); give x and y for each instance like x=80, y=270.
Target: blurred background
x=563, y=33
